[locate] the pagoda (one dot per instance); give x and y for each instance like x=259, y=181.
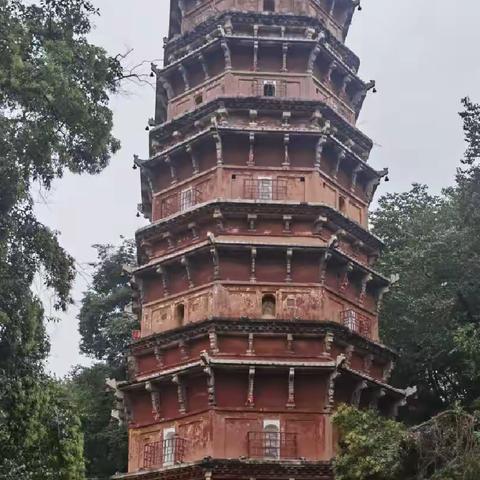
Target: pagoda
x=256, y=286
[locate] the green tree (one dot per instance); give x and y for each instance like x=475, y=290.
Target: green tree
x=432, y=314
x=105, y=323
x=370, y=446
x=54, y=116
x=106, y=442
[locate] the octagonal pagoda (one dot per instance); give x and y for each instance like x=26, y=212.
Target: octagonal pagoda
x=256, y=284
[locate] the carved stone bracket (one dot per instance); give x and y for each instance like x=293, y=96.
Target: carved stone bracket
x=251, y=151
x=387, y=370
x=186, y=264
x=250, y=348
x=194, y=159
x=314, y=53
x=288, y=278
x=345, y=276
x=251, y=383
x=287, y=223
x=252, y=218
x=322, y=141
x=218, y=147
x=367, y=277
x=291, y=388
x=227, y=54
x=203, y=63
x=183, y=347
x=290, y=343
x=328, y=341
x=253, y=253
x=284, y=56
x=367, y=363
x=155, y=396
x=341, y=155
x=183, y=71
x=158, y=352
x=161, y=270
x=357, y=393
x=216, y=262
x=325, y=257
x=218, y=217
x=173, y=173
x=213, y=340
x=330, y=393
x=286, y=144
x=375, y=398
x=177, y=380
x=355, y=173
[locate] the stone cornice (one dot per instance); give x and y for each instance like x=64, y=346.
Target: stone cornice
x=279, y=208
x=227, y=468
x=277, y=104
x=245, y=326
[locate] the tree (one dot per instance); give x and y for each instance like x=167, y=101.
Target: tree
x=105, y=323
x=432, y=314
x=106, y=442
x=105, y=326
x=54, y=116
x=447, y=447
x=370, y=446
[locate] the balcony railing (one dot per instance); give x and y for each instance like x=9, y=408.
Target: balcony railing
x=180, y=201
x=164, y=453
x=265, y=189
x=272, y=445
x=356, y=322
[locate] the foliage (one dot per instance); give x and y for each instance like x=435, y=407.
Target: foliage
x=47, y=446
x=447, y=447
x=106, y=443
x=105, y=325
x=432, y=314
x=370, y=447
x=54, y=116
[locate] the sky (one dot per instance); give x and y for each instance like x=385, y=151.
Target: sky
x=423, y=55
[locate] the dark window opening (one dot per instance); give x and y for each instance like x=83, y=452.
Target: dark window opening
x=199, y=99
x=269, y=306
x=179, y=314
x=269, y=90
x=269, y=5
x=342, y=204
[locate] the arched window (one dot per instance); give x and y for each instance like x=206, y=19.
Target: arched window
x=269, y=309
x=179, y=314
x=269, y=89
x=169, y=439
x=271, y=438
x=269, y=5
x=342, y=204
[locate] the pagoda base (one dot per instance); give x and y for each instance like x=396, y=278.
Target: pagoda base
x=220, y=469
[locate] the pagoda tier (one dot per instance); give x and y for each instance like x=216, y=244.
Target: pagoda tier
x=256, y=286
x=222, y=145
x=246, y=55
x=335, y=15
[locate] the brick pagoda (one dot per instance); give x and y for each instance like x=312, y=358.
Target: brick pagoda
x=256, y=284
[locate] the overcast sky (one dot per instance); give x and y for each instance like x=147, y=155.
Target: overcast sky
x=422, y=53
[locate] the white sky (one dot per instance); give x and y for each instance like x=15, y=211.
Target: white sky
x=422, y=53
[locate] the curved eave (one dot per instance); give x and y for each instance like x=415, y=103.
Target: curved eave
x=245, y=206
x=244, y=325
x=274, y=104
